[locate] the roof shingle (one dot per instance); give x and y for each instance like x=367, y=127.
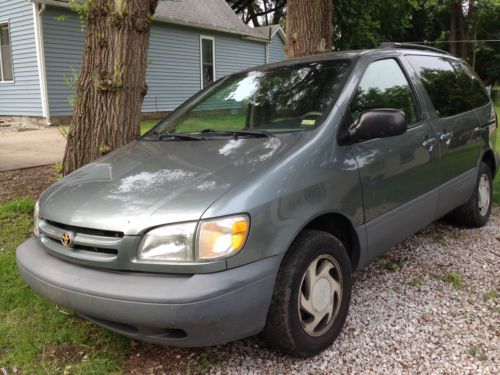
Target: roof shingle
x=214, y=15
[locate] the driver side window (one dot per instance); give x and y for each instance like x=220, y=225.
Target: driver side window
x=384, y=85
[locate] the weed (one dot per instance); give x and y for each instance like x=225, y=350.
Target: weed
x=395, y=264
x=104, y=149
x=473, y=351
x=58, y=167
x=455, y=279
x=391, y=266
x=491, y=295
x=71, y=83
x=64, y=131
x=417, y=281
x=61, y=18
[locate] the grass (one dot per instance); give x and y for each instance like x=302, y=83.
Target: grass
x=197, y=124
x=148, y=125
x=35, y=335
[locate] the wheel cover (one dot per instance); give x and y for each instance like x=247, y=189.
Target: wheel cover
x=320, y=295
x=484, y=193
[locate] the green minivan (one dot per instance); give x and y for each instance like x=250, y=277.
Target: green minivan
x=247, y=209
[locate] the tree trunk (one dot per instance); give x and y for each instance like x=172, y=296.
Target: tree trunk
x=462, y=48
x=112, y=82
x=463, y=30
x=309, y=27
x=453, y=29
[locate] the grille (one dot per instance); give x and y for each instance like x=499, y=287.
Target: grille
x=86, y=244
x=91, y=232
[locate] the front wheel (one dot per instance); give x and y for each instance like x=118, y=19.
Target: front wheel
x=311, y=297
x=475, y=213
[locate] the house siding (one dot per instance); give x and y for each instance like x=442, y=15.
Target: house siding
x=63, y=41
x=174, y=67
x=234, y=54
x=173, y=73
x=23, y=96
x=276, y=49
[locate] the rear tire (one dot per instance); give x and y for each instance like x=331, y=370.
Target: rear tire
x=475, y=213
x=311, y=297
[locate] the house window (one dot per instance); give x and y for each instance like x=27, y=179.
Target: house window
x=207, y=46
x=6, y=73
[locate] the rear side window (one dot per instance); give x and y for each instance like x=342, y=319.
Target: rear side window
x=384, y=85
x=452, y=87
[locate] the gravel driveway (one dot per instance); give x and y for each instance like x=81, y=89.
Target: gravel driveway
x=430, y=306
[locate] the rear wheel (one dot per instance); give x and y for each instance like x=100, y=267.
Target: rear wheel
x=311, y=297
x=475, y=213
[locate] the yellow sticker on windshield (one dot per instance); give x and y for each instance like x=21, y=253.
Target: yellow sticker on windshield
x=309, y=122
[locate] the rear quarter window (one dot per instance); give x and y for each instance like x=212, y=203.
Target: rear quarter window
x=452, y=86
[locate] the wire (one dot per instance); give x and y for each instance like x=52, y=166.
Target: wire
x=457, y=41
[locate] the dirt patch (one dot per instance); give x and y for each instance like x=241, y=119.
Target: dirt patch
x=64, y=354
x=149, y=359
x=28, y=183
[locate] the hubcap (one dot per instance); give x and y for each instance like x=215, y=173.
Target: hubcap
x=484, y=192
x=320, y=295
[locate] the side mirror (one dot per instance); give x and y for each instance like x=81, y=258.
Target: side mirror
x=379, y=123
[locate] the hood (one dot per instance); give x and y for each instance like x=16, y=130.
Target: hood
x=146, y=184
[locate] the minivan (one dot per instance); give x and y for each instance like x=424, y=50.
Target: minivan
x=247, y=209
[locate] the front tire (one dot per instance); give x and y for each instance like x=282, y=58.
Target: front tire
x=311, y=297
x=475, y=213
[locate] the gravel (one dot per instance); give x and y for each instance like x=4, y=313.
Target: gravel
x=430, y=305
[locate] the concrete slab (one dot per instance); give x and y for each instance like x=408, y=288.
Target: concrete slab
x=31, y=149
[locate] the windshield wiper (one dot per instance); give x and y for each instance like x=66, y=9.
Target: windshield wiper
x=156, y=136
x=236, y=133
x=256, y=133
x=178, y=136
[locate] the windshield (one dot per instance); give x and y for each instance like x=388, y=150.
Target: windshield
x=284, y=99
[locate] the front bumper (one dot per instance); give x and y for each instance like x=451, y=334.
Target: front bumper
x=175, y=310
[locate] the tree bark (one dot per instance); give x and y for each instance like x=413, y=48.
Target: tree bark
x=453, y=29
x=463, y=30
x=309, y=27
x=112, y=82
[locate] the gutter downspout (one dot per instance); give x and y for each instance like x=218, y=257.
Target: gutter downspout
x=40, y=55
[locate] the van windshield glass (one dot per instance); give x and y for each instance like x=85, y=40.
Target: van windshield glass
x=284, y=99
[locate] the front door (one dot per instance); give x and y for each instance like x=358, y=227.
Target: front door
x=399, y=175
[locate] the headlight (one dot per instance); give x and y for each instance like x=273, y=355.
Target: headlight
x=222, y=238
x=216, y=239
x=36, y=220
x=171, y=243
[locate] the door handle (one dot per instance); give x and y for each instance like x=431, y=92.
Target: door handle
x=429, y=143
x=446, y=138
